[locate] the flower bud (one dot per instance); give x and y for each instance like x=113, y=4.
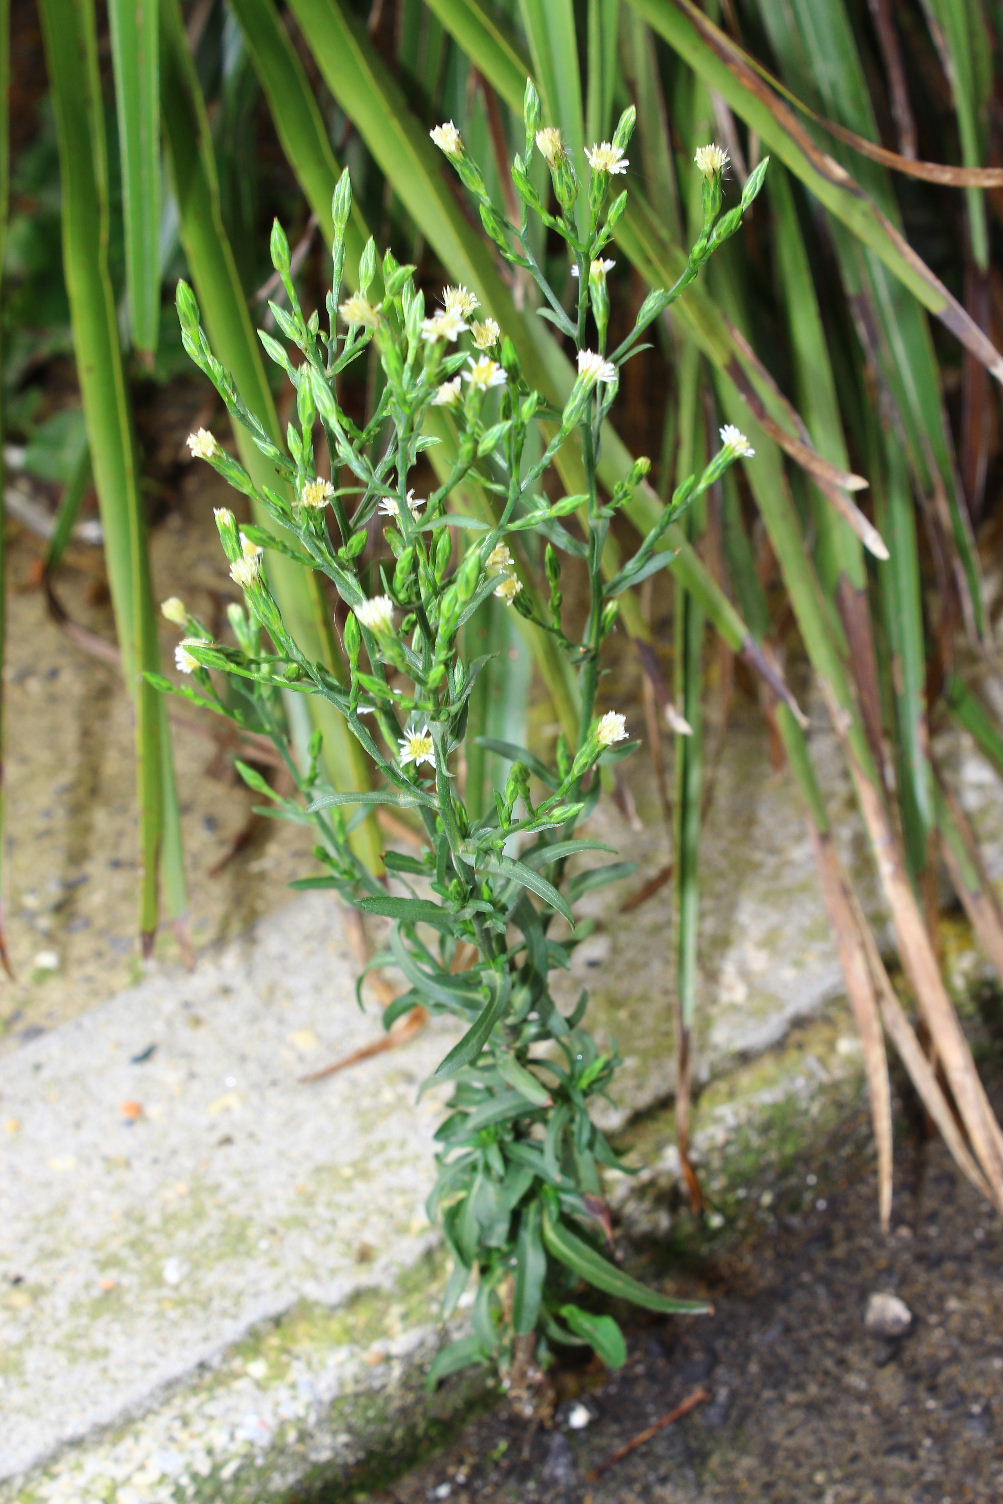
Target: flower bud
x=352, y=639
x=174, y=610
x=403, y=572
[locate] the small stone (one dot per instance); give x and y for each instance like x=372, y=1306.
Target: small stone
x=579, y=1416
x=174, y=1271
x=887, y=1315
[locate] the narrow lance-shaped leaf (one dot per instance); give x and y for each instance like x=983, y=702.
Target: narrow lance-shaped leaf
x=582, y=1259
x=467, y=1050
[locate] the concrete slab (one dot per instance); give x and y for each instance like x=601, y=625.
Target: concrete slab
x=170, y=1186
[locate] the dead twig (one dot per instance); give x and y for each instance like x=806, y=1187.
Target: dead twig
x=698, y=1397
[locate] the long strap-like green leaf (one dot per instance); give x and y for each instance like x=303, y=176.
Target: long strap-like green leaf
x=135, y=55
x=71, y=49
x=724, y=67
x=4, y=207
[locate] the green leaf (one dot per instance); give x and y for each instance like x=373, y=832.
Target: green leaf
x=523, y=1081
x=602, y=1333
x=255, y=781
x=514, y=753
x=634, y=574
x=474, y=1040
x=463, y=1127
x=135, y=57
x=71, y=47
x=453, y=519
x=439, y=987
x=518, y=872
x=464, y=1353
x=396, y=797
x=397, y=861
x=598, y=877
x=582, y=1259
x=407, y=910
x=559, y=850
x=530, y=1272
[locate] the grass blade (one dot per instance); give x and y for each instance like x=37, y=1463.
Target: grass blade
x=601, y=52
x=967, y=53
x=725, y=67
x=135, y=58
x=970, y=711
x=847, y=920
x=688, y=771
x=971, y=881
x=71, y=50
x=4, y=210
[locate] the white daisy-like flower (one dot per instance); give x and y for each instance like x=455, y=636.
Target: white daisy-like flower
x=316, y=493
x=597, y=270
x=389, y=506
x=447, y=138
x=612, y=728
x=460, y=300
x=508, y=589
x=174, y=609
x=485, y=334
x=202, y=444
x=359, y=310
x=711, y=159
x=499, y=560
x=447, y=324
x=448, y=394
x=484, y=373
x=183, y=660
x=223, y=516
x=594, y=368
x=417, y=746
x=377, y=614
x=551, y=145
x=735, y=442
x=605, y=157
x=246, y=571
